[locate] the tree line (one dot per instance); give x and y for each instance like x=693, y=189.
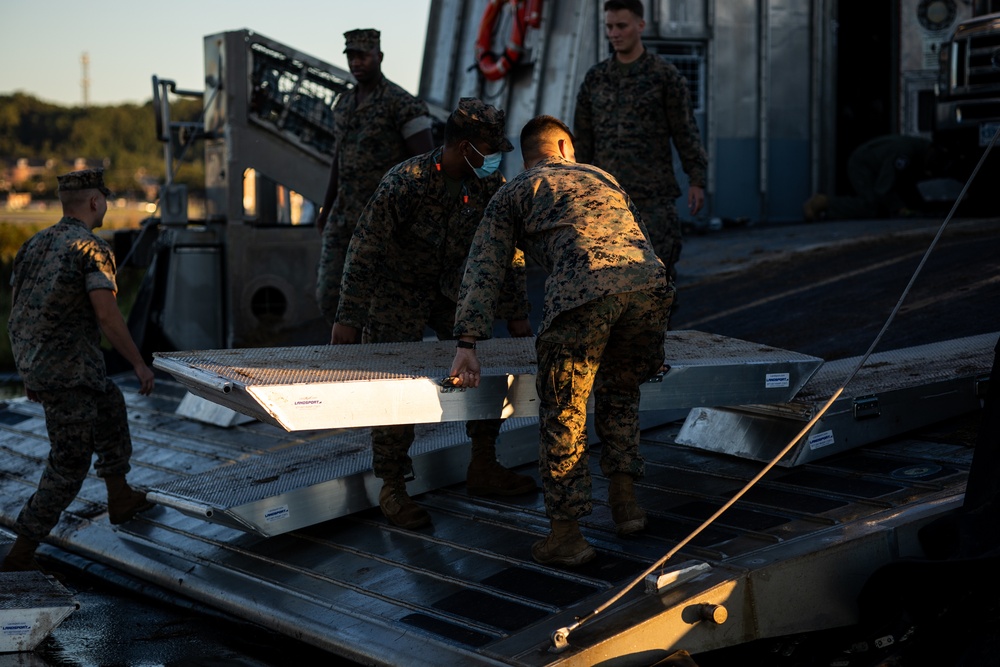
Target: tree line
x=120, y=137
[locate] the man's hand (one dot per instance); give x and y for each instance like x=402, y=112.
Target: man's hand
x=465, y=368
x=343, y=334
x=519, y=328
x=145, y=376
x=321, y=219
x=696, y=199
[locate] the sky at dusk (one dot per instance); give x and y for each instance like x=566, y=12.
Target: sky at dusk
x=42, y=44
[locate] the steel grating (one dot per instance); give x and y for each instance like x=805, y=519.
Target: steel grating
x=896, y=391
x=321, y=387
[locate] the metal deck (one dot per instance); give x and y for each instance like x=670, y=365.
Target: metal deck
x=789, y=557
x=895, y=392
x=341, y=386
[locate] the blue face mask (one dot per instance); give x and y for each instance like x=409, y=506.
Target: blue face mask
x=491, y=163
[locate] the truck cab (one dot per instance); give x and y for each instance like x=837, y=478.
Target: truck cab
x=967, y=113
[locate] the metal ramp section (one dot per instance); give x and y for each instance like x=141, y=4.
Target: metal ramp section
x=895, y=392
x=322, y=387
x=315, y=387
x=32, y=605
x=304, y=485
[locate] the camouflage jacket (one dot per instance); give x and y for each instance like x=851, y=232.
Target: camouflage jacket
x=414, y=231
x=577, y=223
x=625, y=120
x=370, y=139
x=53, y=328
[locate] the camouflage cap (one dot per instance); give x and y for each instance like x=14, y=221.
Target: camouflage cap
x=363, y=39
x=85, y=179
x=485, y=120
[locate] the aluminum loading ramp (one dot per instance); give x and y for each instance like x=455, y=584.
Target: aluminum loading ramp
x=895, y=392
x=326, y=386
x=790, y=557
x=343, y=386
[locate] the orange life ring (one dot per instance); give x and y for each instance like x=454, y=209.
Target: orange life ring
x=526, y=14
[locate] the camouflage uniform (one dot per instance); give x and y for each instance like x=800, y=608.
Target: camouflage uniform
x=626, y=117
x=606, y=303
x=56, y=339
x=370, y=139
x=404, y=268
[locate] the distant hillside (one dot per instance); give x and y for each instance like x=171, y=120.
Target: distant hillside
x=122, y=137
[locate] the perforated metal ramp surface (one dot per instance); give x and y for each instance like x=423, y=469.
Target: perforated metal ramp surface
x=894, y=392
x=318, y=387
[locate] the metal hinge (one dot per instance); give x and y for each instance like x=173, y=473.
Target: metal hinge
x=866, y=407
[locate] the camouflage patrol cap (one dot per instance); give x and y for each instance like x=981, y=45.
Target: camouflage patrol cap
x=485, y=120
x=85, y=179
x=363, y=39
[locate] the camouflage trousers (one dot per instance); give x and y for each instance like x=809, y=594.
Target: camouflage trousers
x=81, y=422
x=404, y=320
x=664, y=226
x=607, y=347
x=336, y=237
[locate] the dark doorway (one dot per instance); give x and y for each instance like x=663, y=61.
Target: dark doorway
x=866, y=76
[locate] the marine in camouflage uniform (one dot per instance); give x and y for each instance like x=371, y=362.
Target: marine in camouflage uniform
x=403, y=270
x=607, y=299
x=627, y=114
x=63, y=284
x=377, y=125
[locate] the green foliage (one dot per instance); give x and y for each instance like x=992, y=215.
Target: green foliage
x=122, y=137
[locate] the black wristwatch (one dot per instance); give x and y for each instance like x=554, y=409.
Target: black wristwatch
x=464, y=345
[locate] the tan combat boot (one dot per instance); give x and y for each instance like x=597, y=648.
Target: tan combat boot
x=21, y=557
x=124, y=502
x=628, y=516
x=399, y=508
x=486, y=477
x=565, y=545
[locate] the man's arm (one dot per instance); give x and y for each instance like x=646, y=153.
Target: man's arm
x=486, y=266
x=331, y=191
x=583, y=125
x=513, y=304
x=686, y=137
x=113, y=326
x=489, y=259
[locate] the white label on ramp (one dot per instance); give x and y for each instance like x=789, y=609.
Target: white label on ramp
x=821, y=439
x=276, y=514
x=16, y=628
x=776, y=381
